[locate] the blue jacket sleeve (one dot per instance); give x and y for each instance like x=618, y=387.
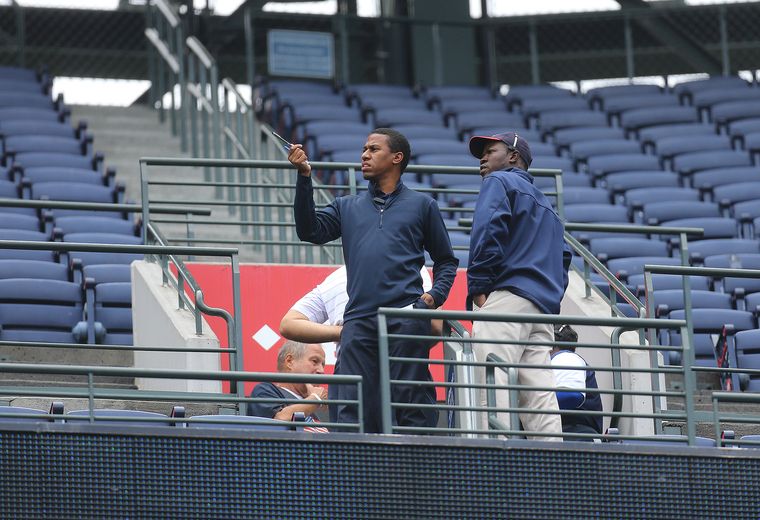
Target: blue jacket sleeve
x=317, y=227
x=438, y=244
x=269, y=391
x=490, y=233
x=569, y=400
x=567, y=257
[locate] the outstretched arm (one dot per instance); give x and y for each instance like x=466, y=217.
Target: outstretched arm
x=297, y=327
x=317, y=227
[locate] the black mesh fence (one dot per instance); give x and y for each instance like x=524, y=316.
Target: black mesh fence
x=79, y=474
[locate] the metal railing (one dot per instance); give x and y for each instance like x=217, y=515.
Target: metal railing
x=497, y=427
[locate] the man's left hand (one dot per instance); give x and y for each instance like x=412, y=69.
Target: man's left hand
x=429, y=301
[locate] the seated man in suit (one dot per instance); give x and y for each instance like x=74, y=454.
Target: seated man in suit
x=293, y=358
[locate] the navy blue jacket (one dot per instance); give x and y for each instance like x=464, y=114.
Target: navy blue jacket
x=592, y=403
x=517, y=242
x=382, y=244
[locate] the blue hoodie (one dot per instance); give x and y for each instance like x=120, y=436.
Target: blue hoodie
x=517, y=242
x=383, y=244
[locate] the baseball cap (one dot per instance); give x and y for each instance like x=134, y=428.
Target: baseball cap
x=511, y=139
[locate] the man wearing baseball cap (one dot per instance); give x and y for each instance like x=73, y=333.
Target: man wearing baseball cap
x=518, y=264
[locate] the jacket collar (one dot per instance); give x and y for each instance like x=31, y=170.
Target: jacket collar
x=374, y=191
x=522, y=173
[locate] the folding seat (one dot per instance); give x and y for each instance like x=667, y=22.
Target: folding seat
x=738, y=287
x=596, y=213
x=236, y=422
x=15, y=113
x=713, y=227
x=112, y=306
x=729, y=194
x=621, y=182
x=10, y=190
x=536, y=107
x=370, y=90
x=18, y=73
x=440, y=180
x=667, y=300
x=598, y=96
x=575, y=195
x=95, y=224
x=747, y=344
x=519, y=93
x=553, y=121
x=22, y=144
x=452, y=92
x=19, y=221
x=648, y=136
x=427, y=146
x=506, y=121
x=745, y=213
x=90, y=258
x=689, y=163
x=309, y=113
x=316, y=129
x=700, y=249
x=390, y=117
x=15, y=127
x=569, y=180
x=39, y=310
x=667, y=281
x=618, y=105
x=79, y=192
x=327, y=144
x=656, y=212
x=119, y=418
x=14, y=99
x=668, y=147
x=707, y=324
x=634, y=120
x=607, y=249
x=551, y=163
x=37, y=269
x=706, y=180
x=370, y=106
x=60, y=160
x=38, y=174
x=564, y=138
x=738, y=129
x=15, y=414
x=602, y=165
x=105, y=273
x=725, y=113
x=705, y=99
x=733, y=261
x=582, y=150
x=622, y=268
x=636, y=198
x=537, y=148
x=464, y=105
x=289, y=105
x=412, y=132
x=689, y=88
x=25, y=254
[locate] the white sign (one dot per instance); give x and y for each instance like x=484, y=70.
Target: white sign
x=301, y=53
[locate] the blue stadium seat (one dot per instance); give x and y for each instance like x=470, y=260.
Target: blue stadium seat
x=427, y=146
x=667, y=281
x=729, y=194
x=60, y=160
x=705, y=99
x=536, y=107
x=747, y=344
x=463, y=105
x=596, y=213
x=43, y=143
x=689, y=163
x=237, y=422
x=552, y=162
x=607, y=249
x=625, y=267
x=400, y=116
x=504, y=120
x=706, y=323
x=426, y=132
x=18, y=74
x=95, y=224
x=289, y=105
x=620, y=183
x=451, y=92
x=30, y=114
x=649, y=135
x=722, y=114
x=36, y=269
x=79, y=192
x=30, y=100
x=39, y=310
x=327, y=144
x=105, y=273
x=553, y=121
x=19, y=221
x=667, y=147
x=617, y=105
x=30, y=176
x=308, y=113
x=14, y=127
x=119, y=417
x=89, y=258
x=112, y=304
x=738, y=129
x=530, y=135
x=669, y=300
x=584, y=149
x=567, y=136
x=583, y=195
x=636, y=198
x=600, y=166
x=369, y=90
x=25, y=254
x=701, y=249
x=634, y=120
x=706, y=180
x=29, y=414
x=713, y=227
x=656, y=212
x=598, y=96
x=518, y=93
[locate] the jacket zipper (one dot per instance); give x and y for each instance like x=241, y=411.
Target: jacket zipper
x=381, y=217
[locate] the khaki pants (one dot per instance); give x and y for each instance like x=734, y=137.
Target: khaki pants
x=507, y=303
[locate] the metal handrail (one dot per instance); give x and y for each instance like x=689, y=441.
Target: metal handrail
x=168, y=12
x=163, y=49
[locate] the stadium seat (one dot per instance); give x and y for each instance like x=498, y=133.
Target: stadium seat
x=18, y=221
x=598, y=96
x=730, y=194
x=607, y=249
x=553, y=121
x=668, y=147
x=518, y=93
x=60, y=160
x=119, y=418
x=667, y=300
x=15, y=127
x=622, y=268
x=16, y=113
x=747, y=344
x=426, y=132
x=600, y=166
x=79, y=192
x=25, y=254
x=390, y=117
x=634, y=120
x=25, y=414
x=723, y=114
x=427, y=146
x=503, y=120
x=584, y=149
x=39, y=310
x=31, y=176
x=654, y=213
x=713, y=227
x=236, y=422
x=619, y=183
x=95, y=224
x=637, y=198
x=689, y=163
x=112, y=304
x=667, y=281
x=708, y=323
x=34, y=269
x=104, y=273
x=700, y=249
x=567, y=136
x=452, y=92
x=706, y=180
x=649, y=135
x=90, y=258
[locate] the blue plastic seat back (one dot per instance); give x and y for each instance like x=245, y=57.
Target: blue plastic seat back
x=744, y=126
x=723, y=113
x=584, y=149
x=712, y=321
x=369, y=90
x=678, y=144
x=39, y=309
x=519, y=93
x=654, y=133
x=713, y=227
x=61, y=160
x=56, y=174
x=18, y=74
x=568, y=136
x=33, y=269
x=451, y=92
x=540, y=106
x=596, y=213
x=14, y=127
x=102, y=416
x=711, y=83
x=504, y=120
x=427, y=146
x=705, y=179
x=552, y=162
x=635, y=265
x=734, y=261
x=642, y=196
x=621, y=104
x=464, y=105
x=738, y=192
x=629, y=180
x=398, y=116
x=652, y=116
x=104, y=273
x=25, y=254
x=552, y=121
x=30, y=414
x=668, y=281
x=718, y=246
x=44, y=143
x=15, y=99
x=94, y=224
x=18, y=221
x=656, y=212
x=691, y=162
x=613, y=91
x=606, y=164
x=330, y=143
x=89, y=258
x=708, y=98
x=237, y=422
x=14, y=113
x=575, y=195
x=412, y=131
x=308, y=113
x=627, y=247
x=700, y=299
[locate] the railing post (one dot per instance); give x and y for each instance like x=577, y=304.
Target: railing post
x=20, y=35
x=437, y=55
x=629, y=62
x=181, y=79
x=724, y=53
x=250, y=60
x=385, y=382
x=689, y=379
x=534, y=63
x=192, y=106
x=344, y=63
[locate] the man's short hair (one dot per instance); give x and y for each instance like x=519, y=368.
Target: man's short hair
x=397, y=143
x=564, y=332
x=294, y=348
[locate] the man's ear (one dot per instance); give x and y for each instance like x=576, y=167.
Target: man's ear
x=398, y=157
x=289, y=361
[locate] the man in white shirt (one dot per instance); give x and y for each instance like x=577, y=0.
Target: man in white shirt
x=318, y=317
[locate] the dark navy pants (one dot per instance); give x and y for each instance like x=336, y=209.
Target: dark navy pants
x=358, y=356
